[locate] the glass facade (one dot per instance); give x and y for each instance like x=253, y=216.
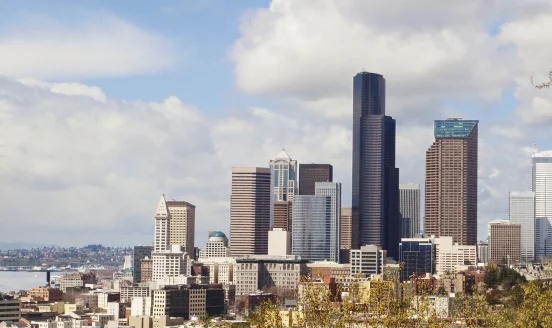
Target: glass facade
x=417, y=257
x=454, y=128
x=375, y=179
x=311, y=232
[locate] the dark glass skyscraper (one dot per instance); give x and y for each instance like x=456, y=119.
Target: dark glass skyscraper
x=375, y=178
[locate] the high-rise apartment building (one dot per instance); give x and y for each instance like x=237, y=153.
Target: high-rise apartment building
x=504, y=242
x=410, y=209
x=250, y=210
x=451, y=181
x=309, y=174
x=316, y=223
x=417, y=255
x=182, y=225
x=522, y=212
x=541, y=185
x=346, y=228
x=140, y=253
x=375, y=194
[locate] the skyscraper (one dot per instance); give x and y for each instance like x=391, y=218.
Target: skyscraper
x=284, y=177
x=250, y=210
x=522, y=212
x=410, y=209
x=375, y=194
x=182, y=225
x=541, y=185
x=309, y=174
x=346, y=228
x=316, y=223
x=504, y=242
x=451, y=181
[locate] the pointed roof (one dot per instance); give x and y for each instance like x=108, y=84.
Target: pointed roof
x=283, y=155
x=162, y=208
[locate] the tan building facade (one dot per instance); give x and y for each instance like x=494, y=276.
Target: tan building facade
x=250, y=211
x=46, y=294
x=504, y=242
x=346, y=228
x=182, y=225
x=146, y=269
x=282, y=215
x=451, y=181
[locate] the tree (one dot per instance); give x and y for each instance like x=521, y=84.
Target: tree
x=545, y=84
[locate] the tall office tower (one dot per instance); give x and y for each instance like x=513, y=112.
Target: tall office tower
x=168, y=260
x=309, y=174
x=282, y=215
x=504, y=242
x=346, y=227
x=316, y=223
x=375, y=194
x=332, y=190
x=410, y=209
x=182, y=225
x=162, y=227
x=140, y=253
x=541, y=185
x=250, y=210
x=284, y=177
x=451, y=181
x=522, y=212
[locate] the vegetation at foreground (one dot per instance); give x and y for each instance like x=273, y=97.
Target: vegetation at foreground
x=392, y=304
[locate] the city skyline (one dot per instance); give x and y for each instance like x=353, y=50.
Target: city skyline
x=174, y=106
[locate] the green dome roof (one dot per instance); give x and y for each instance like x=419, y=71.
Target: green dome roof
x=218, y=234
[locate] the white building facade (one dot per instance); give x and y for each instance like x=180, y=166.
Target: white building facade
x=279, y=242
x=541, y=185
x=216, y=246
x=368, y=260
x=409, y=200
x=451, y=256
x=522, y=212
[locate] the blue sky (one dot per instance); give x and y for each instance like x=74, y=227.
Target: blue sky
x=105, y=105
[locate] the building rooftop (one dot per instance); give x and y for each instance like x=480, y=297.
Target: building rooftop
x=546, y=153
x=454, y=128
x=162, y=208
x=283, y=155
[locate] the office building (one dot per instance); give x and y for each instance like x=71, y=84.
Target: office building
x=182, y=225
x=185, y=301
x=105, y=298
x=146, y=268
x=368, y=260
x=375, y=192
x=46, y=294
x=284, y=177
x=259, y=272
x=522, y=212
x=417, y=255
x=346, y=230
x=309, y=174
x=76, y=280
x=541, y=185
x=410, y=209
x=220, y=270
x=250, y=211
x=140, y=306
x=316, y=224
x=128, y=293
x=216, y=246
x=451, y=181
x=140, y=253
x=504, y=242
x=282, y=215
x=483, y=252
x=279, y=242
x=168, y=260
x=451, y=257
x=10, y=308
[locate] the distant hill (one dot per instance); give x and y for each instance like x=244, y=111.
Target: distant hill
x=7, y=246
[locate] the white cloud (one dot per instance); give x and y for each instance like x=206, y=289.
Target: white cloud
x=102, y=47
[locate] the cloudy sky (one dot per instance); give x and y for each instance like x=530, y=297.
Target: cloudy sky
x=105, y=105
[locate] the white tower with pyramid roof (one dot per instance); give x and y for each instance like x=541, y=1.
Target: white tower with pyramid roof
x=162, y=226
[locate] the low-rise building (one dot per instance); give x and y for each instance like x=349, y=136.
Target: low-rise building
x=128, y=293
x=46, y=294
x=368, y=260
x=10, y=308
x=76, y=280
x=450, y=257
x=328, y=269
x=216, y=246
x=185, y=301
x=263, y=271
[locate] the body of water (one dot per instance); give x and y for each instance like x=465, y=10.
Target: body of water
x=18, y=280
